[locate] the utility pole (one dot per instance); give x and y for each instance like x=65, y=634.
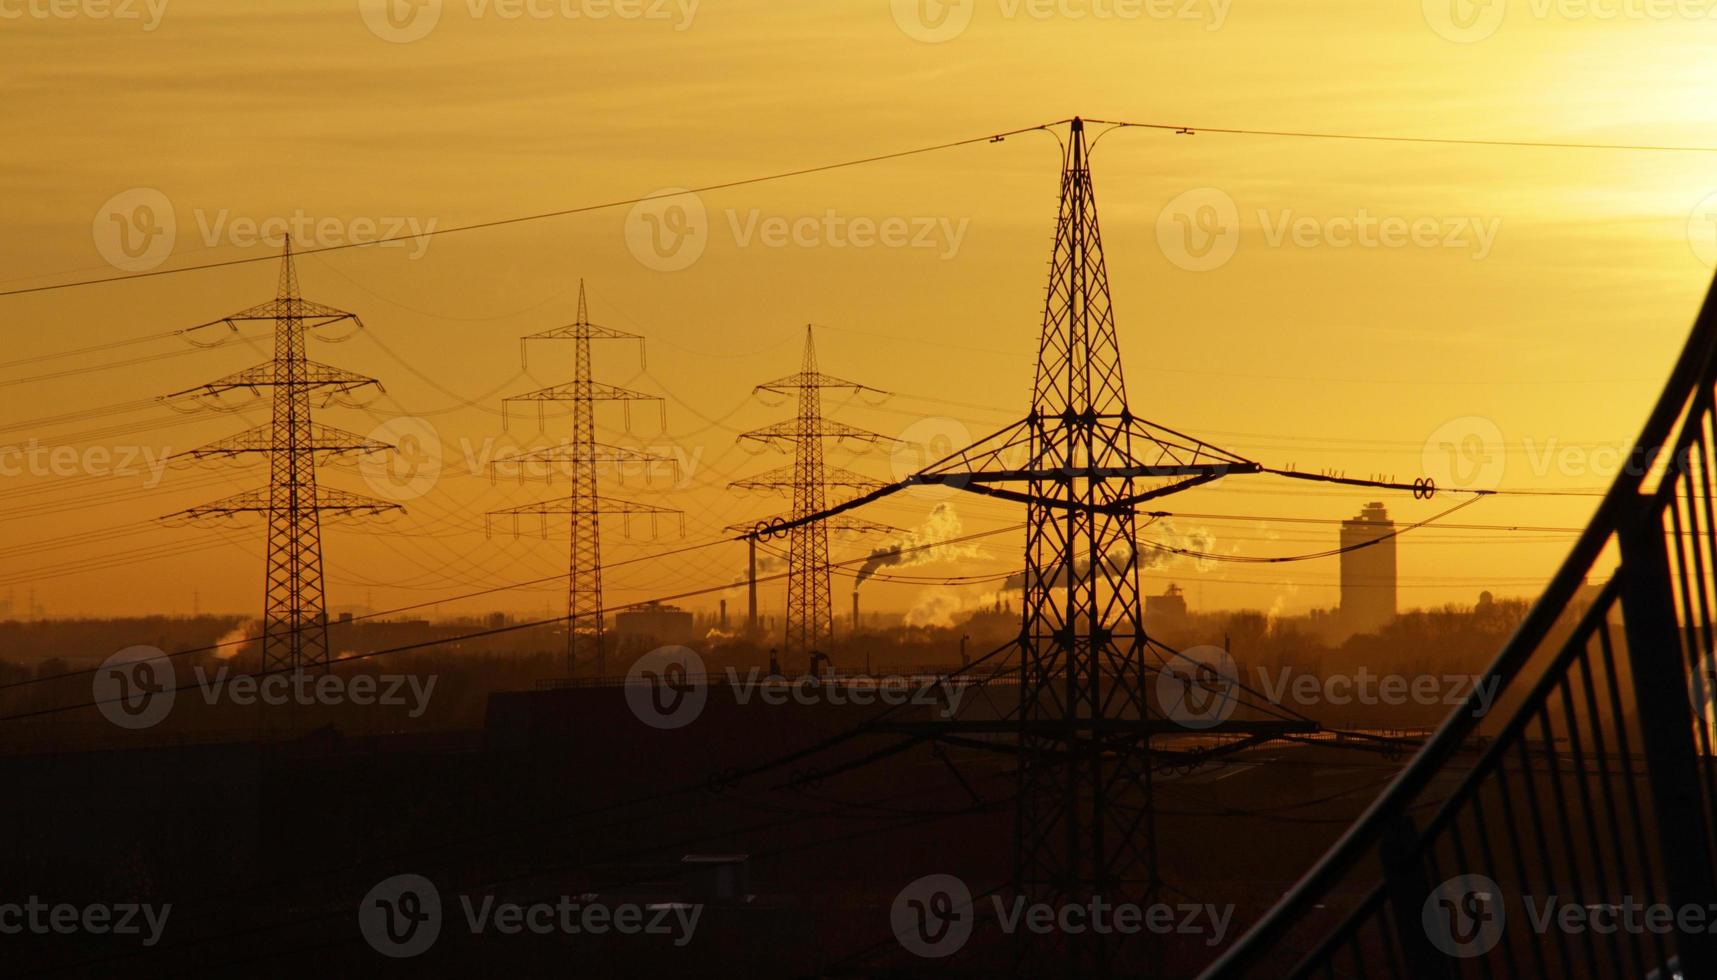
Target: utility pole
x=295, y=619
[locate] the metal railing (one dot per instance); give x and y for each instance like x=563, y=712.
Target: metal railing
x=1579, y=841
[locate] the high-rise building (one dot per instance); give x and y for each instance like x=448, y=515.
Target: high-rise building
x=1368, y=573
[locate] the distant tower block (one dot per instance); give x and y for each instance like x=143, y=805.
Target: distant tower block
x=1368, y=574
x=295, y=620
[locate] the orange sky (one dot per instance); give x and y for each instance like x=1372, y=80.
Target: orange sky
x=1540, y=317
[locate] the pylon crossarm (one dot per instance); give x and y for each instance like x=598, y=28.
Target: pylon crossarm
x=605, y=505
x=784, y=478
x=257, y=502
x=309, y=315
x=583, y=391
x=790, y=432
x=261, y=439
x=600, y=453
x=581, y=331
x=312, y=375
x=794, y=383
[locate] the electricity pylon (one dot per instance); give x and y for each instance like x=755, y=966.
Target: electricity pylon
x=584, y=505
x=1084, y=818
x=295, y=620
x=810, y=617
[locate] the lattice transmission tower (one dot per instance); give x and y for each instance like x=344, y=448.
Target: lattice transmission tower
x=583, y=455
x=295, y=620
x=1084, y=824
x=808, y=481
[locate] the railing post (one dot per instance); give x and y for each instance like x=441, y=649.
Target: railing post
x=1665, y=713
x=1406, y=888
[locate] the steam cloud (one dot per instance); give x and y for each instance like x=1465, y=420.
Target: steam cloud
x=929, y=542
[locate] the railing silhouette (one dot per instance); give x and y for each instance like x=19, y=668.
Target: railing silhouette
x=1586, y=818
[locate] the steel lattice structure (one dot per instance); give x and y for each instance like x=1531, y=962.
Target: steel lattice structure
x=585, y=505
x=810, y=616
x=295, y=621
x=1084, y=827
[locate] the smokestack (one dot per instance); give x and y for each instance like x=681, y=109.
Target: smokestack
x=724, y=614
x=855, y=611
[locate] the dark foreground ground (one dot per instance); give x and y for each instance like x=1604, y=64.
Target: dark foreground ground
x=265, y=850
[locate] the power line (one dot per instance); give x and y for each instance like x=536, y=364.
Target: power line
x=541, y=215
x=1372, y=138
